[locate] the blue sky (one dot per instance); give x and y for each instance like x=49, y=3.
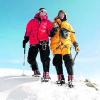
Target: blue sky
x=84, y=15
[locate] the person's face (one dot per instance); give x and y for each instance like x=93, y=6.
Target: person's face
x=61, y=15
x=43, y=12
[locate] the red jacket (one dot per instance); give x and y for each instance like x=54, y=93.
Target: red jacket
x=38, y=30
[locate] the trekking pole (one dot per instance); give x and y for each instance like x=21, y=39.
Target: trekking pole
x=24, y=61
x=75, y=56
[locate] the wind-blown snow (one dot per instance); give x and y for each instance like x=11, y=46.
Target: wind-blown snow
x=14, y=86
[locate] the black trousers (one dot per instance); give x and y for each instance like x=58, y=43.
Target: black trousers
x=68, y=61
x=44, y=55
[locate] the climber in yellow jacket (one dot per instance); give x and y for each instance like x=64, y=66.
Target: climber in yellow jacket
x=62, y=39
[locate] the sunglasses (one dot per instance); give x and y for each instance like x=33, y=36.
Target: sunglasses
x=43, y=11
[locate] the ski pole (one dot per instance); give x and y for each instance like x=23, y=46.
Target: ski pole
x=75, y=56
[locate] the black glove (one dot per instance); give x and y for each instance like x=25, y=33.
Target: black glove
x=53, y=32
x=26, y=39
x=77, y=49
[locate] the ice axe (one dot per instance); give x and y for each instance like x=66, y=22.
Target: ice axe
x=75, y=56
x=24, y=61
x=24, y=56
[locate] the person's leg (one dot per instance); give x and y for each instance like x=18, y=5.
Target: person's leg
x=57, y=62
x=44, y=55
x=69, y=66
x=32, y=53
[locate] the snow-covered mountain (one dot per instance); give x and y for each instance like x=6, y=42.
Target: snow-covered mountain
x=14, y=86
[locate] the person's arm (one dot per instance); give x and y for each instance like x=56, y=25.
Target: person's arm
x=73, y=39
x=49, y=27
x=74, y=42
x=53, y=32
x=54, y=29
x=26, y=39
x=27, y=33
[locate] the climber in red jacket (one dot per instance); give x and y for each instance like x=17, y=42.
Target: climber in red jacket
x=37, y=33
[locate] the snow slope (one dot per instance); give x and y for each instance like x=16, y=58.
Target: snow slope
x=14, y=86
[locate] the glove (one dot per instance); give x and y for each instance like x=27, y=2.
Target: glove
x=53, y=32
x=77, y=49
x=26, y=39
x=24, y=43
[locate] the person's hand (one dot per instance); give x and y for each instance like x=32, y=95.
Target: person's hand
x=53, y=32
x=24, y=43
x=56, y=25
x=26, y=39
x=77, y=49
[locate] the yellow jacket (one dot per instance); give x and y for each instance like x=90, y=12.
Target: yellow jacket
x=61, y=45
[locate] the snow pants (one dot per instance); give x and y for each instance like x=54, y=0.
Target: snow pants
x=44, y=55
x=58, y=63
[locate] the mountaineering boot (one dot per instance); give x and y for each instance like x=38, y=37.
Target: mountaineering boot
x=70, y=81
x=61, y=79
x=36, y=73
x=45, y=77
